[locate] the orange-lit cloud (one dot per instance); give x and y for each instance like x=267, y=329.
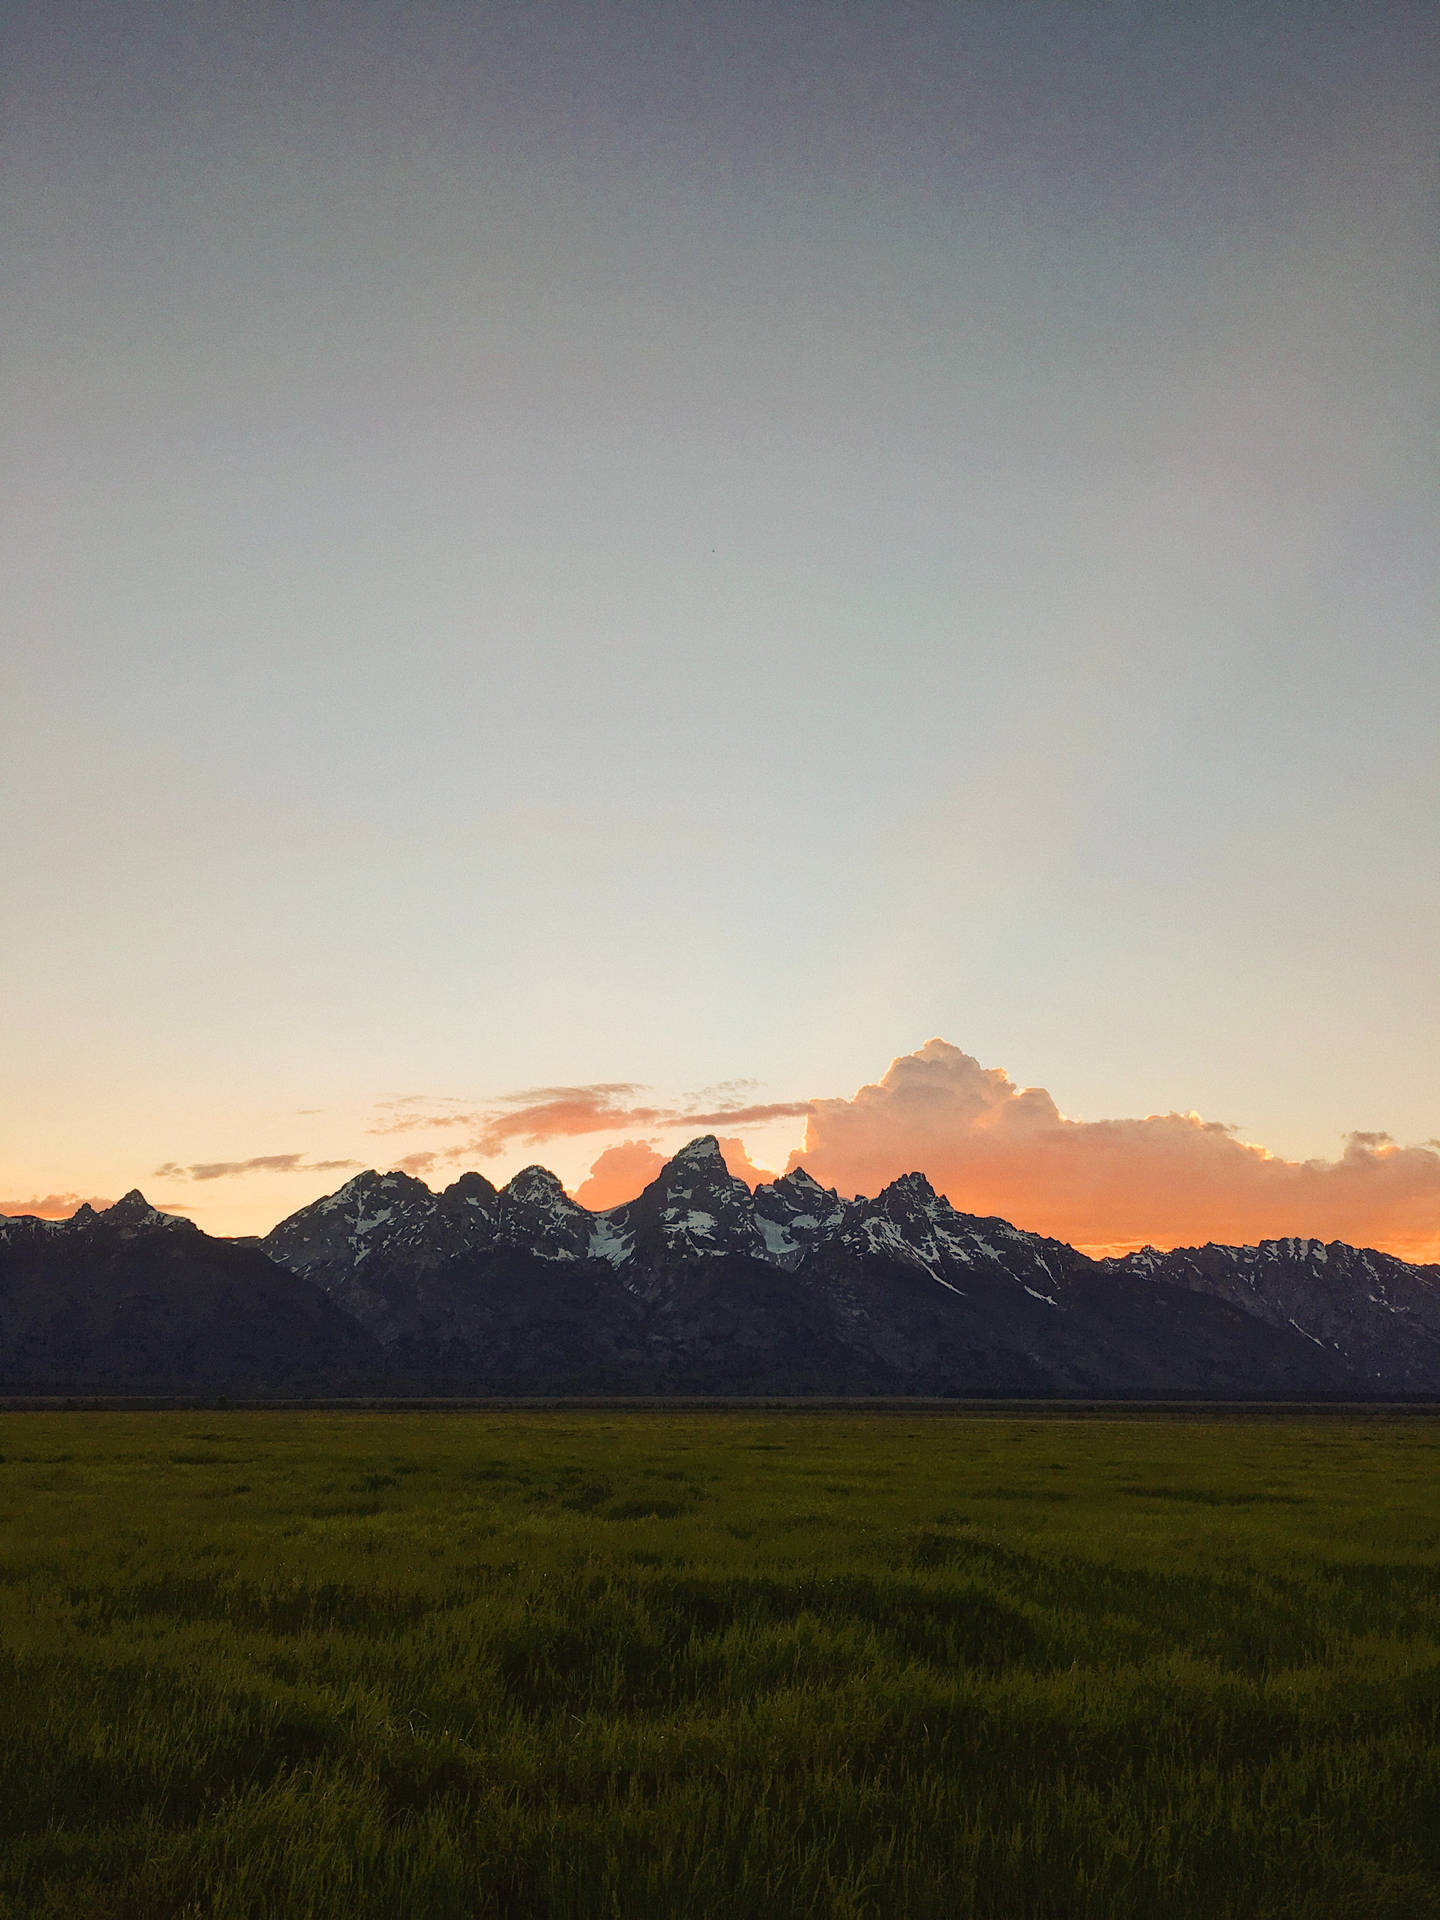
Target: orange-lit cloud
x=54, y=1206
x=1172, y=1179
x=738, y=1162
x=418, y=1164
x=619, y=1174
x=555, y=1113
x=261, y=1163
x=539, y=1114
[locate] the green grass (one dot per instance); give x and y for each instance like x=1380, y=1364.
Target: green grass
x=711, y=1665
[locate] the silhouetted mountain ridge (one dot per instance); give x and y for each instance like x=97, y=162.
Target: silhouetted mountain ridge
x=134, y=1300
x=697, y=1285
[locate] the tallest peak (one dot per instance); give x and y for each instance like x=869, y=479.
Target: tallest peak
x=704, y=1147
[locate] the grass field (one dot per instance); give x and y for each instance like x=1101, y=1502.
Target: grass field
x=591, y=1664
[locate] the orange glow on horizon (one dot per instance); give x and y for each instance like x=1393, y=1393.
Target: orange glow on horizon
x=1106, y=1187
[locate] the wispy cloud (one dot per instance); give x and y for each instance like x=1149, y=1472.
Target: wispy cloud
x=1170, y=1179
x=535, y=1115
x=413, y=1111
x=419, y=1164
x=564, y=1112
x=756, y=1116
x=260, y=1163
x=723, y=1094
x=555, y=1113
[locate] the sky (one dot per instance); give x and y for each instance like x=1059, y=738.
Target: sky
x=633, y=565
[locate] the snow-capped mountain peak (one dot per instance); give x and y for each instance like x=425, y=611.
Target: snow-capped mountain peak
x=703, y=1150
x=693, y=1208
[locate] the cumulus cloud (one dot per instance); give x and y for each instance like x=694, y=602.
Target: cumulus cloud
x=53, y=1206
x=261, y=1163
x=1170, y=1179
x=619, y=1174
x=738, y=1162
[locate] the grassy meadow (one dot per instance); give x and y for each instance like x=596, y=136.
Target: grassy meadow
x=686, y=1664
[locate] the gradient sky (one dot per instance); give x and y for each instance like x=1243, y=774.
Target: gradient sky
x=570, y=546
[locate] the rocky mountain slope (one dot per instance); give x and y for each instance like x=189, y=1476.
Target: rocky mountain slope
x=696, y=1286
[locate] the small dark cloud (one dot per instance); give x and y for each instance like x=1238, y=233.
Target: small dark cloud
x=745, y=1116
x=260, y=1163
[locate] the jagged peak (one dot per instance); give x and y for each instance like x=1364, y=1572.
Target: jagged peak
x=703, y=1150
x=802, y=1177
x=1290, y=1246
x=798, y=1180
x=912, y=1186
x=699, y=1168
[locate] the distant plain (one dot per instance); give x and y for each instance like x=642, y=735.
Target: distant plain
x=748, y=1663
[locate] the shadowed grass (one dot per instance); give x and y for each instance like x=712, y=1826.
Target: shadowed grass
x=552, y=1664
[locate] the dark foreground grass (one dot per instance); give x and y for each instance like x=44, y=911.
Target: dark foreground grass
x=265, y=1664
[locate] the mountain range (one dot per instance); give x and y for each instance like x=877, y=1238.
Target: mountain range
x=698, y=1286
